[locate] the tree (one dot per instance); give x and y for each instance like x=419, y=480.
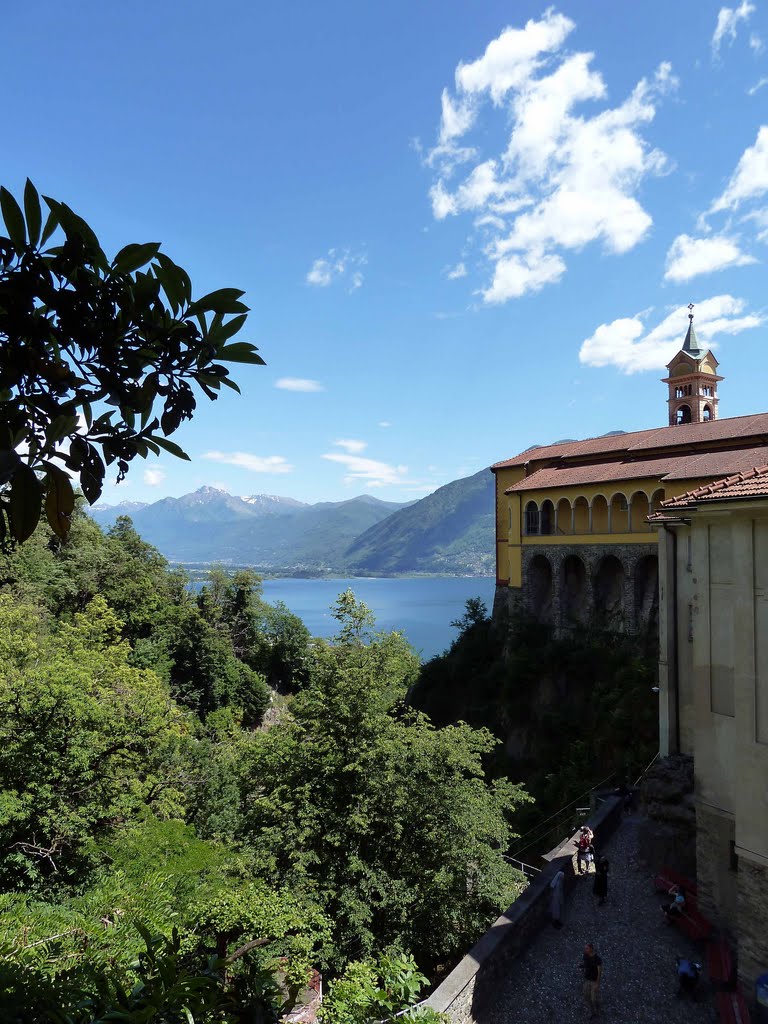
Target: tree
x=79, y=333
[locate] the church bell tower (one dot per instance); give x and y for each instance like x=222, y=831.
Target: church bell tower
x=692, y=381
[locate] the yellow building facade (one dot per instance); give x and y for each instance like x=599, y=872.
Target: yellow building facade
x=573, y=541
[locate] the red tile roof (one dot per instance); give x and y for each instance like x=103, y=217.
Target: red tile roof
x=696, y=465
x=735, y=427
x=750, y=484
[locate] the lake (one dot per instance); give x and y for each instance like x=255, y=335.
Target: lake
x=422, y=607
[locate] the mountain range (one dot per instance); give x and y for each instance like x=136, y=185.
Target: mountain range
x=449, y=531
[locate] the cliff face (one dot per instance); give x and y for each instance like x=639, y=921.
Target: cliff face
x=667, y=833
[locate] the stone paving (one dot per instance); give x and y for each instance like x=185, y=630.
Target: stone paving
x=637, y=946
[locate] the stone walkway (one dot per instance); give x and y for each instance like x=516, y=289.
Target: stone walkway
x=638, y=950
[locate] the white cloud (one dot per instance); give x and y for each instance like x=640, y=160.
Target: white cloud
x=153, y=477
x=563, y=178
x=369, y=472
x=760, y=218
x=750, y=179
x=254, y=463
x=757, y=86
x=627, y=344
x=354, y=447
x=689, y=257
x=756, y=44
x=384, y=423
x=339, y=265
x=728, y=19
x=298, y=384
x=454, y=273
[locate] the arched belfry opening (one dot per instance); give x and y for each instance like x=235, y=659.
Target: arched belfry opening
x=692, y=381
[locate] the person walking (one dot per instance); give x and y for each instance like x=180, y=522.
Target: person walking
x=593, y=971
x=583, y=843
x=600, y=887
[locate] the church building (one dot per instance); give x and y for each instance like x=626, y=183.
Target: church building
x=573, y=540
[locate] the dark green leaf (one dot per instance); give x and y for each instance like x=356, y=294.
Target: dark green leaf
x=133, y=256
x=169, y=446
x=224, y=300
x=33, y=212
x=50, y=226
x=26, y=502
x=59, y=500
x=240, y=352
x=232, y=326
x=14, y=219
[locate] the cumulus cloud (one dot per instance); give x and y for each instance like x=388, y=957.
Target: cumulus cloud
x=728, y=20
x=688, y=257
x=352, y=446
x=566, y=176
x=339, y=265
x=629, y=345
x=298, y=384
x=368, y=472
x=254, y=463
x=153, y=477
x=750, y=179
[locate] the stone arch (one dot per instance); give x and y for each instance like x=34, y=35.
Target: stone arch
x=546, y=518
x=531, y=519
x=647, y=593
x=599, y=509
x=656, y=499
x=619, y=517
x=575, y=592
x=609, y=593
x=707, y=413
x=563, y=516
x=639, y=510
x=683, y=414
x=540, y=588
x=581, y=515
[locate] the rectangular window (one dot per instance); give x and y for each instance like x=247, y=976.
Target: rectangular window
x=532, y=521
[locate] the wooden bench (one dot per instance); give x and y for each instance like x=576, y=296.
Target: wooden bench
x=732, y=1008
x=668, y=878
x=720, y=965
x=692, y=924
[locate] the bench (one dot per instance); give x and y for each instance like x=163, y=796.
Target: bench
x=732, y=1008
x=692, y=924
x=720, y=965
x=668, y=878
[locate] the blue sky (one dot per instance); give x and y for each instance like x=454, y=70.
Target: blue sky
x=462, y=229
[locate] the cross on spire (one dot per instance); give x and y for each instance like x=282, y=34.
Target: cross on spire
x=690, y=311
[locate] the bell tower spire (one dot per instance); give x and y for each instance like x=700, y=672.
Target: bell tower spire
x=692, y=381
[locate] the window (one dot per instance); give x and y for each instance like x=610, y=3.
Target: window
x=707, y=413
x=532, y=519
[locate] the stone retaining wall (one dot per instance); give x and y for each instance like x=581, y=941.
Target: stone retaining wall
x=470, y=985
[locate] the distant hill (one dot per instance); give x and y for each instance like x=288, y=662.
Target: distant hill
x=451, y=530
x=277, y=534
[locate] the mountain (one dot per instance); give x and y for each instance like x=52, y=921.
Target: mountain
x=274, y=533
x=451, y=530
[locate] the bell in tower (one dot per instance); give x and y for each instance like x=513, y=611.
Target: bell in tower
x=692, y=381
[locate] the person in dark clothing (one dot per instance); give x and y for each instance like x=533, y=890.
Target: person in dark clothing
x=677, y=906
x=688, y=972
x=593, y=970
x=600, y=887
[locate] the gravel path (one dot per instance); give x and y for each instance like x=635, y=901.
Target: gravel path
x=638, y=950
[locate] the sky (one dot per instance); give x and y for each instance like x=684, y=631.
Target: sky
x=462, y=228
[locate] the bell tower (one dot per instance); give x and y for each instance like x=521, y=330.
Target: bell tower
x=692, y=381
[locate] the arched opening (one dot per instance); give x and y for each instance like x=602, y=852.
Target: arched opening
x=563, y=517
x=609, y=593
x=547, y=518
x=707, y=413
x=581, y=515
x=639, y=510
x=540, y=588
x=683, y=414
x=647, y=594
x=575, y=592
x=619, y=514
x=656, y=499
x=599, y=514
x=531, y=519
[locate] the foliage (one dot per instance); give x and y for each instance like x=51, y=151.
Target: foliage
x=388, y=820
x=79, y=332
x=369, y=990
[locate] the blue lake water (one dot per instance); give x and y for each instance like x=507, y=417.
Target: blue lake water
x=422, y=607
